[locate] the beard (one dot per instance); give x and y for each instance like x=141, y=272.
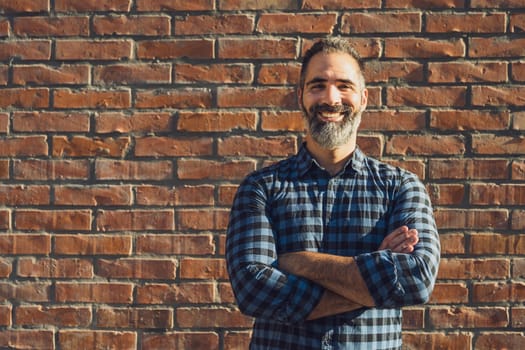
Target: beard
x=331, y=135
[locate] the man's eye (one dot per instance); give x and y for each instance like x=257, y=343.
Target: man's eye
x=317, y=87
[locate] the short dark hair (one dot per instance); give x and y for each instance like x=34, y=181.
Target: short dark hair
x=330, y=45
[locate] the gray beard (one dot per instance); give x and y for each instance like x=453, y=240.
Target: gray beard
x=332, y=135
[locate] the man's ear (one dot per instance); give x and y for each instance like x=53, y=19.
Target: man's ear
x=364, y=99
x=300, y=97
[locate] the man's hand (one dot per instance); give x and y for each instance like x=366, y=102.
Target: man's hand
x=401, y=240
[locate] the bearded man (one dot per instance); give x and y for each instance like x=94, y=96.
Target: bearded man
x=324, y=248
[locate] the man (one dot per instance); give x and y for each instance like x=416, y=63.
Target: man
x=324, y=248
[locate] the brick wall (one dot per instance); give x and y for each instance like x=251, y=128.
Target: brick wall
x=125, y=126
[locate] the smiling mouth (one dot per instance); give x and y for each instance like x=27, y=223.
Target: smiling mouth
x=331, y=117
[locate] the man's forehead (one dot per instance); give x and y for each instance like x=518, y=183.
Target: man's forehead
x=336, y=65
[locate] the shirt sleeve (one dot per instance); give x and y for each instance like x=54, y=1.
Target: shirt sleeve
x=395, y=279
x=261, y=290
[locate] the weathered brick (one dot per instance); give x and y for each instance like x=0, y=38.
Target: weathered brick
x=93, y=49
x=413, y=318
x=178, y=48
x=518, y=170
x=247, y=146
x=202, y=220
x=211, y=317
x=134, y=220
x=258, y=5
x=51, y=122
x=216, y=121
x=59, y=316
x=32, y=292
x=181, y=340
x=459, y=269
x=450, y=293
x=498, y=145
x=20, y=195
x=291, y=23
x=27, y=339
x=465, y=23
x=215, y=24
x=496, y=47
x=181, y=98
x=393, y=120
x=28, y=6
x=493, y=194
x=256, y=97
x=493, y=243
x=23, y=146
x=132, y=25
x=237, y=340
x=180, y=244
x=133, y=170
x=72, y=339
x=136, y=318
x=98, y=244
x=282, y=121
x=174, y=5
x=278, y=73
x=427, y=96
x=497, y=96
x=175, y=196
x=95, y=196
x=473, y=169
x=257, y=48
x=517, y=23
x=94, y=292
x=340, y=4
x=472, y=218
x=5, y=267
x=41, y=26
x=452, y=243
x=24, y=97
x=173, y=147
x=425, y=145
x=499, y=340
x=54, y=220
x=214, y=73
x=109, y=122
x=128, y=74
x=180, y=292
x=447, y=194
x=17, y=244
x=384, y=71
x=191, y=268
x=423, y=340
x=198, y=169
x=390, y=22
x=80, y=146
x=497, y=292
x=150, y=269
x=469, y=120
x=424, y=48
x=92, y=5
x=35, y=169
x=5, y=315
x=25, y=50
x=90, y=98
x=467, y=72
x=469, y=317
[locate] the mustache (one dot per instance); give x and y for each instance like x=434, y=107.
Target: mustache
x=323, y=107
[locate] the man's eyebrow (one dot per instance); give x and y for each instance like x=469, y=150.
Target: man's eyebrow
x=316, y=80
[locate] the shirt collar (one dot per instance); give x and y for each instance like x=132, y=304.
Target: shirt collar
x=305, y=161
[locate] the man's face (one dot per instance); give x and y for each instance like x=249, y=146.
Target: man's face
x=332, y=98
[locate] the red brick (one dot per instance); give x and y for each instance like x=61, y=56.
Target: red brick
x=496, y=47
x=137, y=268
x=4, y=169
x=180, y=244
x=496, y=4
x=385, y=120
x=518, y=70
x=180, y=98
x=80, y=146
x=23, y=146
x=93, y=49
x=53, y=220
x=282, y=121
x=279, y=74
x=127, y=74
x=5, y=316
x=467, y=72
x=175, y=5
x=109, y=122
x=90, y=98
x=450, y=293
x=136, y=318
x=9, y=6
x=388, y=22
x=366, y=47
x=258, y=5
x=59, y=316
x=216, y=24
x=51, y=26
x=173, y=147
x=385, y=71
x=24, y=97
x=5, y=268
x=94, y=292
x=498, y=96
x=181, y=340
x=226, y=194
x=498, y=292
x=499, y=340
x=459, y=269
x=491, y=144
x=493, y=243
x=92, y=5
x=31, y=292
x=132, y=25
x=518, y=170
x=256, y=97
x=413, y=318
x=20, y=195
x=452, y=243
x=427, y=96
x=292, y=23
x=472, y=218
x=180, y=292
x=465, y=23
x=517, y=23
x=17, y=244
x=216, y=121
x=175, y=196
x=211, y=317
x=469, y=317
x=134, y=220
x=27, y=339
x=178, y=48
x=78, y=339
x=93, y=196
x=257, y=147
x=4, y=28
x=423, y=340
x=518, y=220
x=50, y=122
x=424, y=48
x=4, y=75
x=493, y=194
x=133, y=170
x=202, y=220
x=340, y=4
x=214, y=73
x=425, y=145
x=92, y=244
x=257, y=48
x=474, y=169
x=469, y=120
x=34, y=169
x=518, y=317
x=25, y=50
x=447, y=194
x=237, y=340
x=199, y=169
x=191, y=268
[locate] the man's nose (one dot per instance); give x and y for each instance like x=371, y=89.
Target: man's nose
x=333, y=95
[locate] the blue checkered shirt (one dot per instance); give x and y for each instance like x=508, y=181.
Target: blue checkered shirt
x=295, y=205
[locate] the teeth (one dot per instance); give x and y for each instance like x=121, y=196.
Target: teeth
x=330, y=115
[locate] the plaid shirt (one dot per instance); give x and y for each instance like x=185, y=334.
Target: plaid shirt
x=295, y=205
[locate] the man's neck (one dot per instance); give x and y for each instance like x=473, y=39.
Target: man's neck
x=333, y=160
